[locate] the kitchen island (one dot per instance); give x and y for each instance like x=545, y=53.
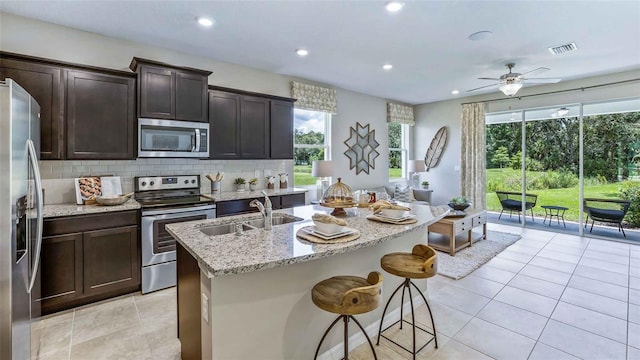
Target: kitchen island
x=248, y=296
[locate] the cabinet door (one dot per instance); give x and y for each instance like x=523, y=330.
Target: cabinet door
x=224, y=124
x=254, y=128
x=293, y=200
x=191, y=96
x=100, y=116
x=156, y=93
x=111, y=260
x=45, y=84
x=60, y=271
x=281, y=129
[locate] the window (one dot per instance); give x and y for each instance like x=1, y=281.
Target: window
x=398, y=145
x=311, y=140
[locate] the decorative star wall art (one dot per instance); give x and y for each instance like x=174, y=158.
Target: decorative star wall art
x=361, y=148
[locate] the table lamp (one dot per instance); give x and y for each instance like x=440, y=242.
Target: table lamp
x=321, y=169
x=416, y=167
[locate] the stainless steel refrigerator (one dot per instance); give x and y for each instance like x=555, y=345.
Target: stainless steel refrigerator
x=21, y=204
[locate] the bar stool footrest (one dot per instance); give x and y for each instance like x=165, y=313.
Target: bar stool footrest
x=404, y=348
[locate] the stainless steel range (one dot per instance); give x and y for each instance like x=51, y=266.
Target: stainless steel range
x=166, y=200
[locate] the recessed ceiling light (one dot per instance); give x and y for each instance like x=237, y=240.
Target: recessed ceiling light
x=302, y=52
x=205, y=21
x=455, y=92
x=393, y=6
x=387, y=66
x=480, y=35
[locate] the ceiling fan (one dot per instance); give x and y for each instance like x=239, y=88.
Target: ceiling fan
x=511, y=82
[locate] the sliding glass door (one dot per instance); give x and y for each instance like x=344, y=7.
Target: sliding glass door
x=551, y=159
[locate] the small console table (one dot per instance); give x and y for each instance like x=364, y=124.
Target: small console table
x=456, y=232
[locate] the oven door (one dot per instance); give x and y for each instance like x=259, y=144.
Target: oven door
x=158, y=246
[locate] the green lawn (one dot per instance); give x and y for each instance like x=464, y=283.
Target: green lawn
x=567, y=197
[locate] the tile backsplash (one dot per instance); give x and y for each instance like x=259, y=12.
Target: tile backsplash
x=57, y=176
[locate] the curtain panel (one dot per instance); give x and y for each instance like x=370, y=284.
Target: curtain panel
x=473, y=162
x=402, y=114
x=316, y=98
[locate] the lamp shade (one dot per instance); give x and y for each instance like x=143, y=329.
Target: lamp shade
x=416, y=166
x=510, y=88
x=321, y=168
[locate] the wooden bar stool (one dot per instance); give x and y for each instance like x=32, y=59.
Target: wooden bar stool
x=348, y=296
x=421, y=263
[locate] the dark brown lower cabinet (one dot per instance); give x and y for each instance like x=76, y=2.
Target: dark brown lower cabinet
x=241, y=206
x=110, y=260
x=188, y=294
x=88, y=258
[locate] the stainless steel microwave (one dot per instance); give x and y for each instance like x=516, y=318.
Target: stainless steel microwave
x=172, y=139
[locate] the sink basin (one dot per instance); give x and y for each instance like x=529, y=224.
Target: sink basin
x=278, y=219
x=223, y=229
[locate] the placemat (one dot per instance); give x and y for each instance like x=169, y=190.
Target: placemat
x=314, y=239
x=389, y=221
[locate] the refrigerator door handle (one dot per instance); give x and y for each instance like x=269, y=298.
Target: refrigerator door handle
x=33, y=162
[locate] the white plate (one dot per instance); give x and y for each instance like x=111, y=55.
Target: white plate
x=312, y=230
x=403, y=218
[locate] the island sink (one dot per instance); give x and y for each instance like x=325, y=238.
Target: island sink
x=249, y=224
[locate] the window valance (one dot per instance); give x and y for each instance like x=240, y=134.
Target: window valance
x=313, y=97
x=402, y=114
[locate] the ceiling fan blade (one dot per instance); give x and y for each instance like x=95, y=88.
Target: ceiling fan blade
x=542, y=80
x=535, y=70
x=482, y=87
x=494, y=79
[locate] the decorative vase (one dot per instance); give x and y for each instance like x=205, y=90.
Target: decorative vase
x=240, y=187
x=271, y=182
x=215, y=186
x=459, y=207
x=253, y=187
x=283, y=180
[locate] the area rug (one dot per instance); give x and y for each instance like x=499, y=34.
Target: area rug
x=471, y=258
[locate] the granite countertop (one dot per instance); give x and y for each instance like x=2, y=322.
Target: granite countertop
x=235, y=195
x=260, y=249
x=57, y=210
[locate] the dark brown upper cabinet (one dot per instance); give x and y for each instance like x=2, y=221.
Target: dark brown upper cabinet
x=246, y=125
x=170, y=92
x=281, y=129
x=100, y=115
x=45, y=84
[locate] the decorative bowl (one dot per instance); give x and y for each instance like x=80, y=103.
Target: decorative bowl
x=459, y=207
x=113, y=200
x=393, y=213
x=328, y=228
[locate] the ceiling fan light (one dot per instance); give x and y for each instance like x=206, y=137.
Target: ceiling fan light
x=510, y=88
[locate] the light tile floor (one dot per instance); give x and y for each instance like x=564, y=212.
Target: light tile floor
x=128, y=327
x=548, y=296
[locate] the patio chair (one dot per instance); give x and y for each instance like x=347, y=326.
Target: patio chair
x=607, y=211
x=512, y=201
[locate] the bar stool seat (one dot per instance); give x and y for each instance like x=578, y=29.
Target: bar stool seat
x=348, y=296
x=421, y=263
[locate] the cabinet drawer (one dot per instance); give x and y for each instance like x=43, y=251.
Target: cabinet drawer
x=80, y=223
x=460, y=226
x=479, y=220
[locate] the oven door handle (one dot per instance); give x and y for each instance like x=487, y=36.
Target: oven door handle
x=184, y=211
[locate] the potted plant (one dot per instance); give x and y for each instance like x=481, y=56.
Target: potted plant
x=239, y=184
x=459, y=203
x=253, y=184
x=425, y=184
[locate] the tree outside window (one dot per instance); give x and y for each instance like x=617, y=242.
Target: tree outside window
x=311, y=142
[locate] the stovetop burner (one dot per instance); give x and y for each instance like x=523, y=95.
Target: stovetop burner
x=169, y=191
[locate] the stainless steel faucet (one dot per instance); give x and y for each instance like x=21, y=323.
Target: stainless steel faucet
x=265, y=210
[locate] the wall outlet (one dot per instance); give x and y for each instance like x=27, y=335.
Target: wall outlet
x=256, y=174
x=205, y=308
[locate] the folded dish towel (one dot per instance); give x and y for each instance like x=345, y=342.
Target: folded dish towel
x=328, y=219
x=384, y=204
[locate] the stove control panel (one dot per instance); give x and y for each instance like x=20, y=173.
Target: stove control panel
x=167, y=182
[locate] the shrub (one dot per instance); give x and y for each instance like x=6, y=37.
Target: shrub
x=631, y=191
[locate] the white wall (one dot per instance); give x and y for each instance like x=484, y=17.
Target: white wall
x=445, y=181
x=31, y=37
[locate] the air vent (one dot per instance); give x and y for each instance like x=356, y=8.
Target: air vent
x=561, y=49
